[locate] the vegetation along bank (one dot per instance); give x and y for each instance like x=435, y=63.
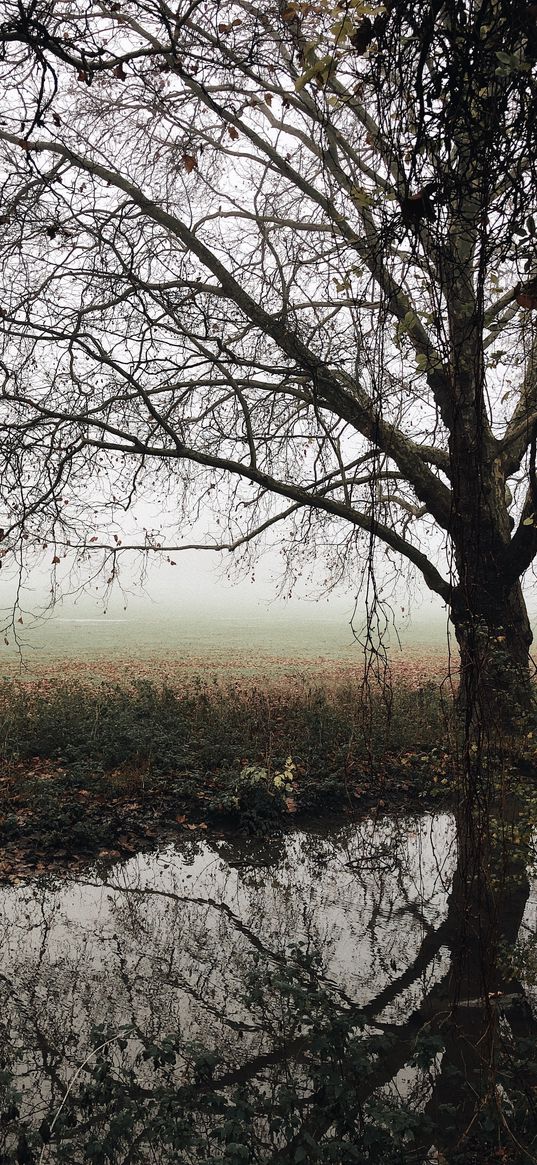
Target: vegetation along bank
x=93, y=767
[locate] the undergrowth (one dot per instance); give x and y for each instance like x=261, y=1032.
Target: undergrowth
x=86, y=767
x=161, y=730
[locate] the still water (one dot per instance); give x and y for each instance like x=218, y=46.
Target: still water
x=157, y=987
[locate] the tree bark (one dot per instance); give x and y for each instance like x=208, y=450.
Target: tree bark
x=488, y=608
x=494, y=638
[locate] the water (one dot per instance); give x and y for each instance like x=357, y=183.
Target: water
x=187, y=972
x=351, y=893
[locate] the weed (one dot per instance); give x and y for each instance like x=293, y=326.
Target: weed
x=79, y=755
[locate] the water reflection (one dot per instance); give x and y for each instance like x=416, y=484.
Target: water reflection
x=288, y=1001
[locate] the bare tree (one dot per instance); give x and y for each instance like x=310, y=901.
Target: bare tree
x=280, y=257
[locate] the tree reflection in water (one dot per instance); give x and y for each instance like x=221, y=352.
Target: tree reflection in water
x=346, y=996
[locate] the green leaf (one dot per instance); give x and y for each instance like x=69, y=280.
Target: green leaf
x=342, y=28
x=511, y=62
x=361, y=197
x=319, y=68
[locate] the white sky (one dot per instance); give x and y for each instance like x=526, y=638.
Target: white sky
x=197, y=587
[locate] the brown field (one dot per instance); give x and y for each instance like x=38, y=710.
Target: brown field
x=411, y=667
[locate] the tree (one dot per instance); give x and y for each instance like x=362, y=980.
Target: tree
x=290, y=251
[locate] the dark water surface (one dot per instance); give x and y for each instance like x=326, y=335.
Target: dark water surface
x=142, y=1005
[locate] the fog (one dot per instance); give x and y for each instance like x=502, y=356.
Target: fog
x=194, y=606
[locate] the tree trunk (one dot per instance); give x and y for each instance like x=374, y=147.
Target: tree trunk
x=488, y=609
x=494, y=639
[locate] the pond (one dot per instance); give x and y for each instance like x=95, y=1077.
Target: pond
x=231, y=1000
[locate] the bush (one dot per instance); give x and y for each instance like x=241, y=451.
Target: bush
x=210, y=725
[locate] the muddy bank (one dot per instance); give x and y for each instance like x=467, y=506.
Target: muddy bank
x=91, y=765
x=50, y=819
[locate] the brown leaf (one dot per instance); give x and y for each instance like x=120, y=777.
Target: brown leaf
x=233, y=133
x=56, y=560
x=119, y=72
x=189, y=163
x=291, y=804
x=126, y=843
x=527, y=300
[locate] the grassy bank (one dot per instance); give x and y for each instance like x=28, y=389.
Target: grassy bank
x=90, y=768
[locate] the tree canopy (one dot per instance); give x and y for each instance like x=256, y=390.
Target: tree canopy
x=281, y=259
